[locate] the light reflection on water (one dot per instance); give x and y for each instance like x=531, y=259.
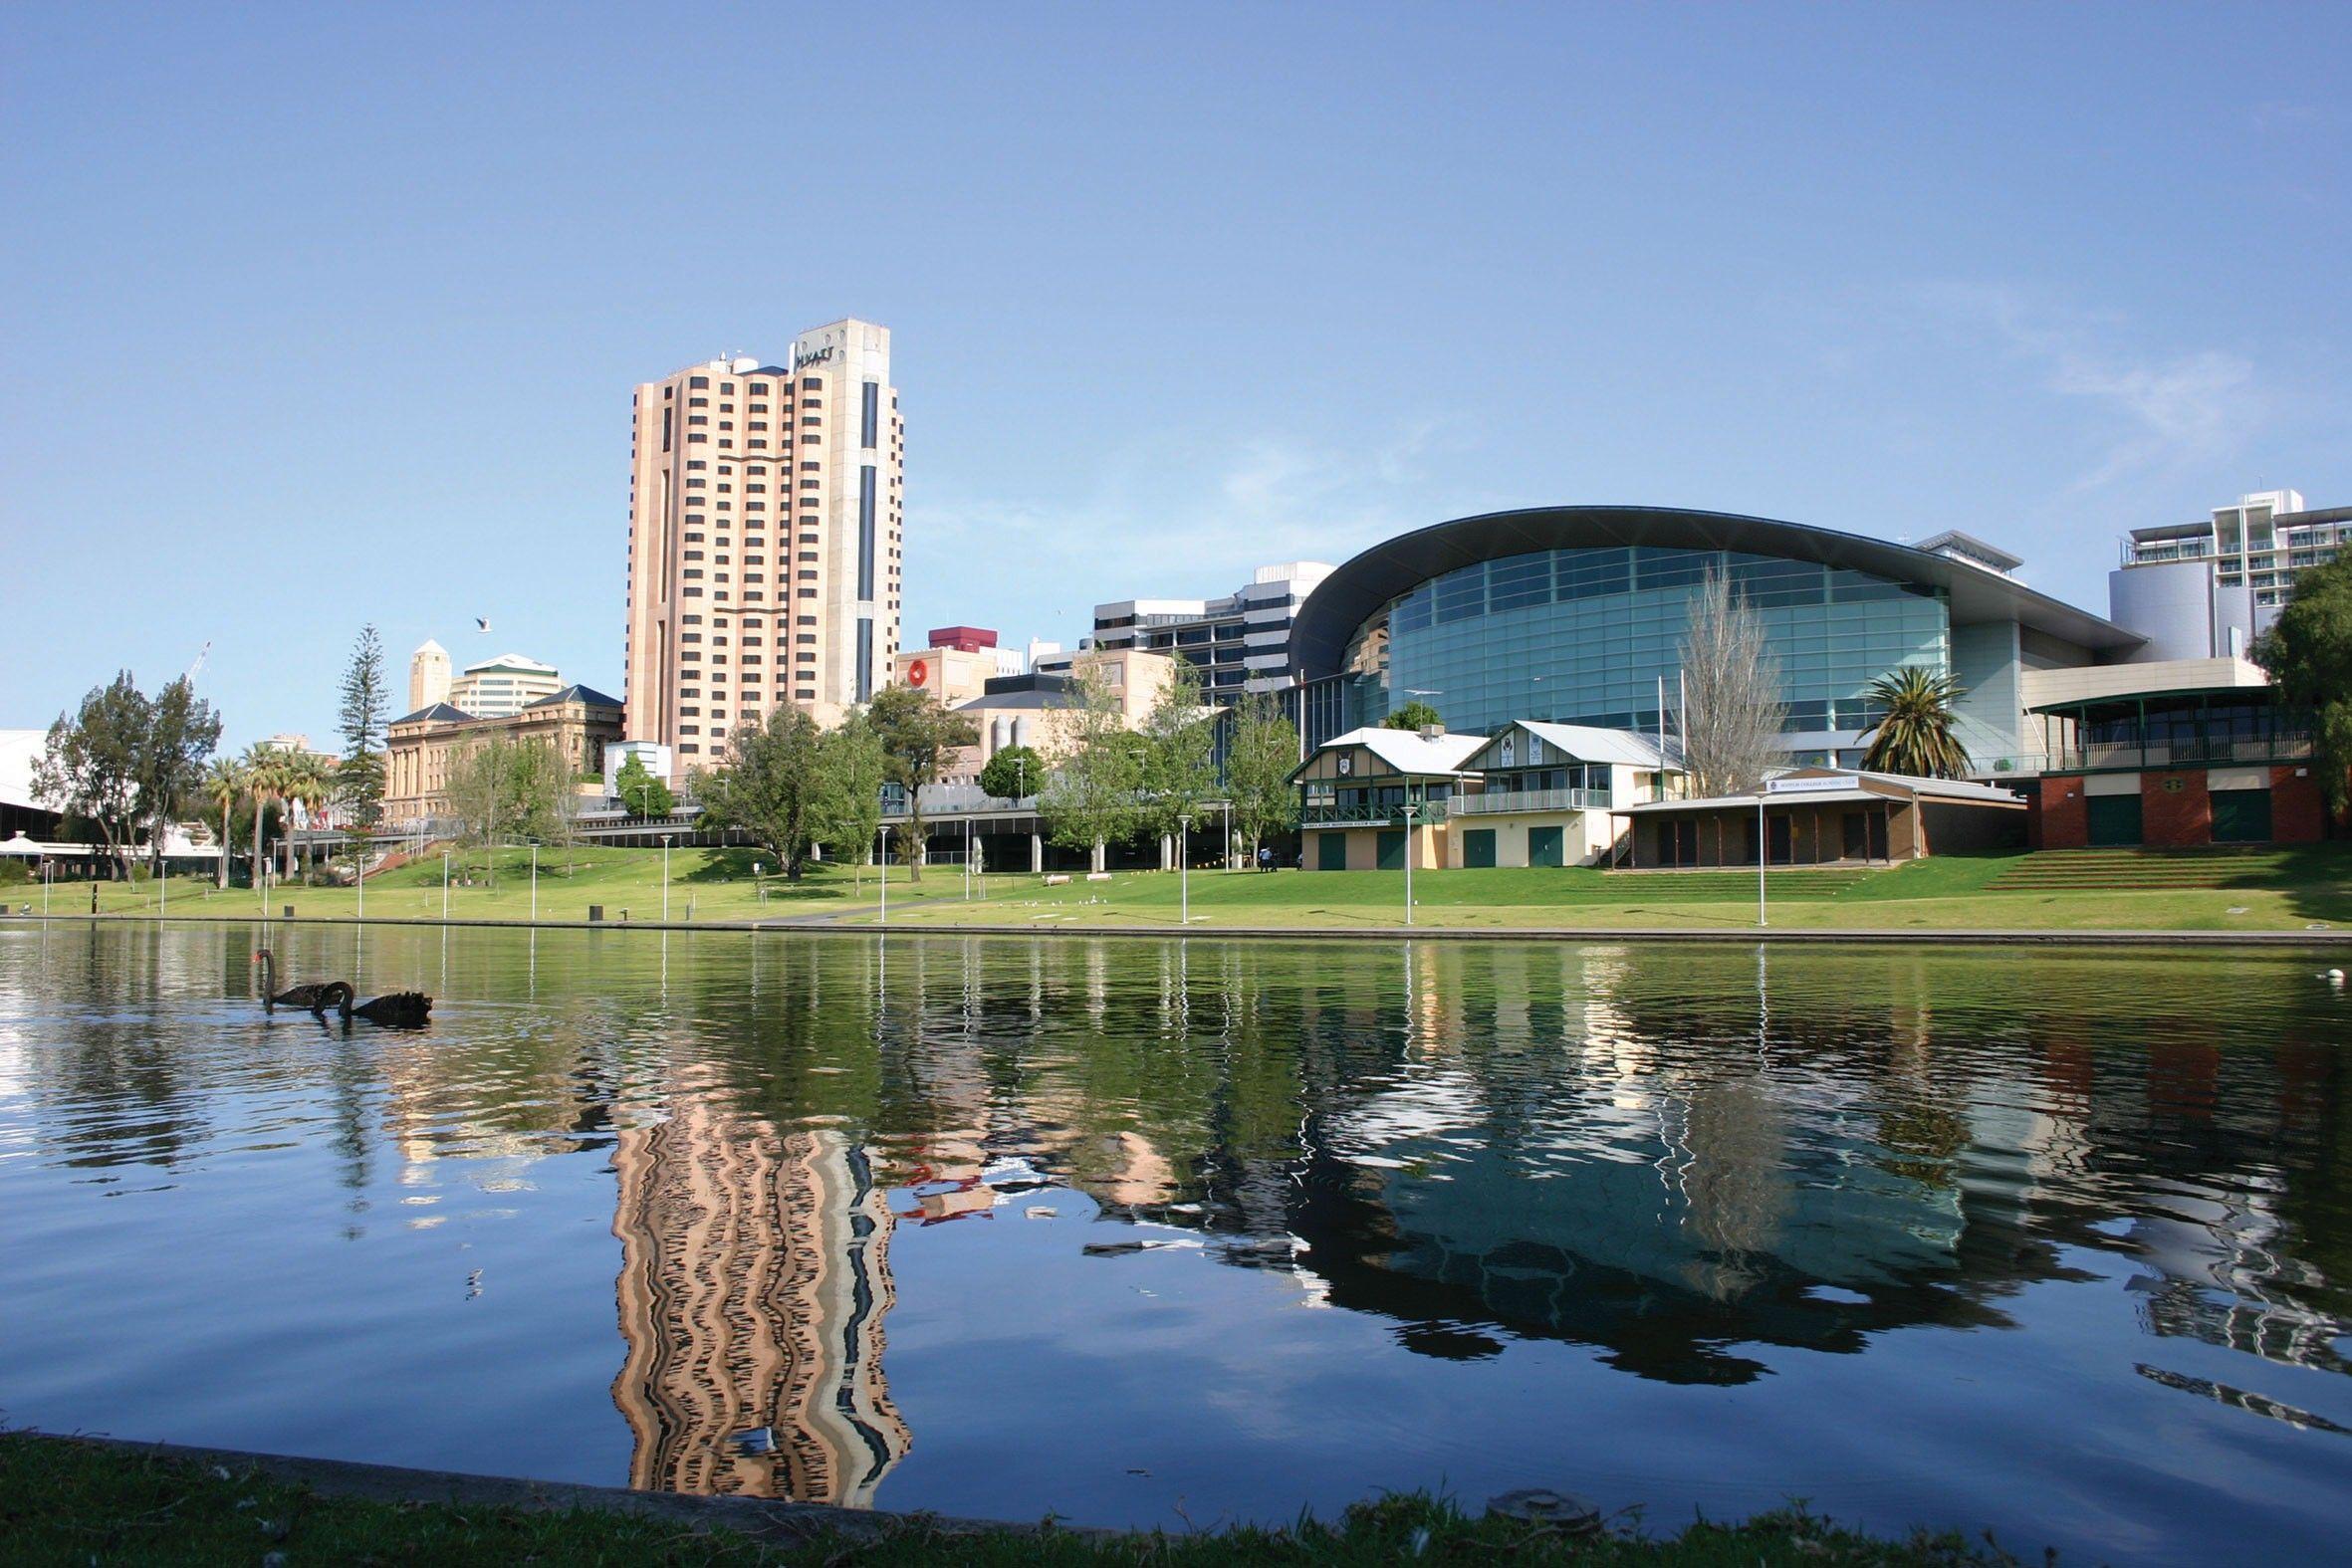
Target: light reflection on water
x=1143, y=1232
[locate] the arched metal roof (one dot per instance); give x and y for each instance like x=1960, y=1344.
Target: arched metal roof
x=1342, y=602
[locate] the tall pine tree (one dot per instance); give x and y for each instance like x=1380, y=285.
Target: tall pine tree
x=360, y=779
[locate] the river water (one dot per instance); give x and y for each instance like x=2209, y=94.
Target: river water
x=2054, y=1243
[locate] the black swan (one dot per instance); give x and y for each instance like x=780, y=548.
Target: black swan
x=403, y=1009
x=302, y=996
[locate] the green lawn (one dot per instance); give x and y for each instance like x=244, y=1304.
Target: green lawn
x=66, y=1504
x=2285, y=890
x=706, y=884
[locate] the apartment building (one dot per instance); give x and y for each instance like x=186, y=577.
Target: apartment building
x=765, y=540
x=2207, y=590
x=1239, y=644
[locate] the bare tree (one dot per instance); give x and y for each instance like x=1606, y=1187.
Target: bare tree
x=1731, y=707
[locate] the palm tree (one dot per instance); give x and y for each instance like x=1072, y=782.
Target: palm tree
x=224, y=786
x=308, y=778
x=265, y=775
x=1915, y=737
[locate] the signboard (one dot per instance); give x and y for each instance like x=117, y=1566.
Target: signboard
x=918, y=673
x=1805, y=786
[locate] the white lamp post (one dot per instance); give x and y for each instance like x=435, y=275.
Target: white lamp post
x=665, y=879
x=535, y=881
x=1184, y=869
x=1408, y=809
x=1764, y=853
x=444, y=887
x=882, y=864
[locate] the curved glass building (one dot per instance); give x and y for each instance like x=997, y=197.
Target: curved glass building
x=1575, y=615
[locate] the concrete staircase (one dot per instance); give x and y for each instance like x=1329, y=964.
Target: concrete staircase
x=2145, y=870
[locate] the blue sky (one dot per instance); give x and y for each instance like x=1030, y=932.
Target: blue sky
x=316, y=316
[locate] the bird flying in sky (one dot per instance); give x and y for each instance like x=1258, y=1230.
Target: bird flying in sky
x=480, y=624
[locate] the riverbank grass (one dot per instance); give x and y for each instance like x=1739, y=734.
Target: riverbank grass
x=2275, y=890
x=63, y=1502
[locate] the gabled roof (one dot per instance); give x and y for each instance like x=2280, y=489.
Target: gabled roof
x=438, y=713
x=1836, y=783
x=1407, y=751
x=1586, y=743
x=580, y=694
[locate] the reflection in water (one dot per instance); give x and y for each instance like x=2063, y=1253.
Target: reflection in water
x=754, y=1277
x=1714, y=1201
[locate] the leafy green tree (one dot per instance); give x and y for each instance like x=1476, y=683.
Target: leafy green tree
x=2308, y=654
x=182, y=732
x=1013, y=774
x=500, y=789
x=773, y=785
x=92, y=767
x=1093, y=796
x=1178, y=755
x=1259, y=761
x=365, y=705
x=1915, y=735
x=1415, y=715
x=850, y=809
x=642, y=794
x=918, y=738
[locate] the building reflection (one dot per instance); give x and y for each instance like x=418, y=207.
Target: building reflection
x=755, y=1278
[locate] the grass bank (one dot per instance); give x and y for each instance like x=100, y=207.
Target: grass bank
x=63, y=1502
x=2283, y=890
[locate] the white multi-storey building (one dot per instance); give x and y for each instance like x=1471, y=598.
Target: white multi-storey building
x=1239, y=644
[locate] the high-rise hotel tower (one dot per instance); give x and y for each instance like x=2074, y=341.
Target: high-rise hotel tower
x=765, y=513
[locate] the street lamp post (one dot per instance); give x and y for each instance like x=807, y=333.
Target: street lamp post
x=665, y=879
x=1764, y=853
x=444, y=887
x=1184, y=869
x=535, y=881
x=1407, y=809
x=882, y=865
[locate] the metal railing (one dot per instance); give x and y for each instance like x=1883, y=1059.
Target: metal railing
x=1330, y=814
x=2184, y=753
x=1493, y=800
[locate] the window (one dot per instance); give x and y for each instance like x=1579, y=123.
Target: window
x=810, y=384
x=699, y=384
x=865, y=658
x=866, y=534
x=868, y=414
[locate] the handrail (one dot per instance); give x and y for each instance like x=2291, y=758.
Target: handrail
x=1491, y=801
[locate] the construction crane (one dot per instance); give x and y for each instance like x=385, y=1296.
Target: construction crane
x=202, y=654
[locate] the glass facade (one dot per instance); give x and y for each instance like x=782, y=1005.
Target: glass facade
x=1587, y=636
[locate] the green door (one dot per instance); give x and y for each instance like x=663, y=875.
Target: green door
x=1478, y=846
x=1331, y=851
x=2241, y=816
x=1392, y=849
x=1544, y=846
x=2114, y=819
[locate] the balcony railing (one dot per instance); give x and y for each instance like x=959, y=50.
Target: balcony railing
x=2180, y=754
x=1494, y=801
x=1325, y=813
